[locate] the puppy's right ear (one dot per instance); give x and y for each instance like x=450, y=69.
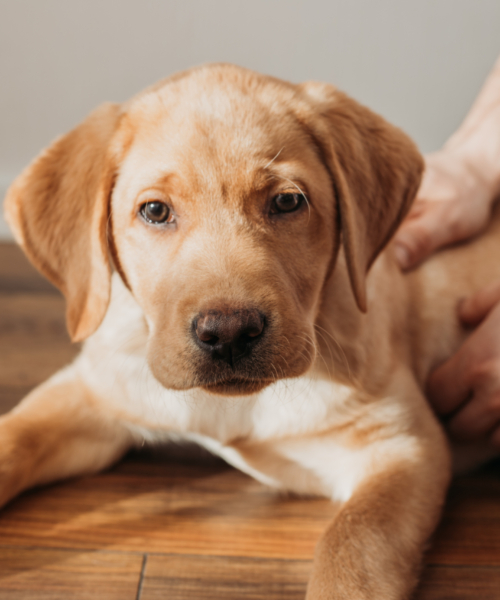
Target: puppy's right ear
x=58, y=210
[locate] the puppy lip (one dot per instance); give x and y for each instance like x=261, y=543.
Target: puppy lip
x=236, y=385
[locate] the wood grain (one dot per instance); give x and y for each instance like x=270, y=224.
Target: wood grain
x=459, y=583
x=469, y=532
x=60, y=574
x=223, y=578
x=18, y=275
x=33, y=338
x=170, y=508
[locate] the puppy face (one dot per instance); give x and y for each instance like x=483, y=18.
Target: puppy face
x=224, y=227
x=222, y=196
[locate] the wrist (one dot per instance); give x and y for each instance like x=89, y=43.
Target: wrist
x=477, y=159
x=478, y=150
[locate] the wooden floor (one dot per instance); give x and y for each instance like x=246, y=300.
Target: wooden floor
x=154, y=528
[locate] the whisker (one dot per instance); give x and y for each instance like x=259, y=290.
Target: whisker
x=271, y=161
x=344, y=355
x=327, y=366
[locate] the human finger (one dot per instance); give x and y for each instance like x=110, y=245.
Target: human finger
x=437, y=224
x=448, y=386
x=477, y=417
x=474, y=309
x=420, y=236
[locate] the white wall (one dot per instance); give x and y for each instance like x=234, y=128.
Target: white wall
x=419, y=63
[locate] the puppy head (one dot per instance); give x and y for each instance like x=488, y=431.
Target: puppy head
x=218, y=194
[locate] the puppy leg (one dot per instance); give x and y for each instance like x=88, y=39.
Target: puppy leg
x=373, y=548
x=59, y=430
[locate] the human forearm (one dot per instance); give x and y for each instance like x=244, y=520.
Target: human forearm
x=477, y=141
x=460, y=183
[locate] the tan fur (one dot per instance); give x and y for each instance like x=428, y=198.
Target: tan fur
x=66, y=240
x=331, y=403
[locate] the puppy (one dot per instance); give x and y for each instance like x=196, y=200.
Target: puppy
x=212, y=238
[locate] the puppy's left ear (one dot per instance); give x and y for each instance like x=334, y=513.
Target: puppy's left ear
x=375, y=169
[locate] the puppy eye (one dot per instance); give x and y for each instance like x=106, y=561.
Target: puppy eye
x=285, y=203
x=155, y=212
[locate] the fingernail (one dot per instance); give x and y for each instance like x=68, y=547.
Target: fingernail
x=402, y=255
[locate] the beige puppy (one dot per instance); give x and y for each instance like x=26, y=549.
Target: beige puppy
x=212, y=238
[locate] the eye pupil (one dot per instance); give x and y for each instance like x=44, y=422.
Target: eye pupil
x=155, y=212
x=287, y=202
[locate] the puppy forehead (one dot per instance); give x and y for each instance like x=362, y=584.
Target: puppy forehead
x=207, y=133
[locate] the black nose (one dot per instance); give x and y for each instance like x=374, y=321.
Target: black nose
x=228, y=335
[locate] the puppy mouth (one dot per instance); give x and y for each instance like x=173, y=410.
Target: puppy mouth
x=236, y=386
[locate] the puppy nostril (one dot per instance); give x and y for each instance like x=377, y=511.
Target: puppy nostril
x=208, y=339
x=204, y=331
x=254, y=329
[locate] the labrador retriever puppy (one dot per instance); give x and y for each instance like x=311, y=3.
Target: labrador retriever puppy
x=221, y=241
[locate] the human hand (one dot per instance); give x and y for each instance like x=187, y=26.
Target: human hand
x=467, y=386
x=452, y=204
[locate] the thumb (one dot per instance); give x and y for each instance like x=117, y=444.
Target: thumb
x=417, y=238
x=474, y=309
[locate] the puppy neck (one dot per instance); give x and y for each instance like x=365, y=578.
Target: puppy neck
x=362, y=349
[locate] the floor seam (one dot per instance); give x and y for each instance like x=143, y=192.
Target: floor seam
x=141, y=578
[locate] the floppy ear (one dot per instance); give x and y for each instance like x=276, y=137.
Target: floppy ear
x=58, y=208
x=375, y=169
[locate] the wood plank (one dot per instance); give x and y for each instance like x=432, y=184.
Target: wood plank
x=469, y=541
x=202, y=509
x=476, y=495
x=34, y=343
x=222, y=578
x=61, y=574
x=18, y=275
x=167, y=507
x=58, y=574
x=459, y=583
x=469, y=532
x=238, y=578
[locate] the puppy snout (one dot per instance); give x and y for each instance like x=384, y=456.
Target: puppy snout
x=228, y=335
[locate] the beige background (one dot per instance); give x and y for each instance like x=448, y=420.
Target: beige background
x=419, y=63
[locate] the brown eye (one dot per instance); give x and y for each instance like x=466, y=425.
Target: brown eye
x=284, y=203
x=155, y=212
